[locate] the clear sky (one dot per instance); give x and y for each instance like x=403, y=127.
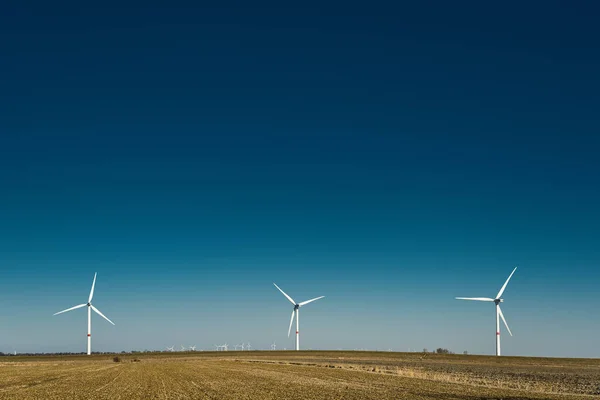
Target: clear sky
x=389, y=157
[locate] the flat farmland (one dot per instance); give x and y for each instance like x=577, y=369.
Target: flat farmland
x=297, y=375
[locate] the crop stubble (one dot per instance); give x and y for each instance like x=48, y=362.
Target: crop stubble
x=310, y=375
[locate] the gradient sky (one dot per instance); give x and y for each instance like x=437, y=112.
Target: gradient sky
x=389, y=157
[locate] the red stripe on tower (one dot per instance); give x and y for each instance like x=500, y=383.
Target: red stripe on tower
x=89, y=334
x=297, y=332
x=497, y=333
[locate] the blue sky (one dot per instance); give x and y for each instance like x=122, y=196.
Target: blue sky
x=389, y=157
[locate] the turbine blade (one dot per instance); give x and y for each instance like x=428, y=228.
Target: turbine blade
x=92, y=291
x=502, y=316
x=72, y=308
x=310, y=301
x=102, y=315
x=291, y=322
x=475, y=298
x=505, y=283
x=285, y=294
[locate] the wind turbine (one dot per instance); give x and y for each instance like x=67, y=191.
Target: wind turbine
x=90, y=308
x=499, y=314
x=172, y=348
x=182, y=348
x=273, y=346
x=297, y=311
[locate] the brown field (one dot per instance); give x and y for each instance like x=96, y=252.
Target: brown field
x=302, y=375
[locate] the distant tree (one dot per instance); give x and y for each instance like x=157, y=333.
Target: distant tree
x=465, y=353
x=425, y=351
x=442, y=351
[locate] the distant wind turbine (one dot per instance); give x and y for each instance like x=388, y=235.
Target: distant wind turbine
x=296, y=310
x=90, y=308
x=499, y=314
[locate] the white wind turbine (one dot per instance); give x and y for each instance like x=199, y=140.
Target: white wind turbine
x=297, y=311
x=222, y=347
x=499, y=314
x=172, y=348
x=90, y=308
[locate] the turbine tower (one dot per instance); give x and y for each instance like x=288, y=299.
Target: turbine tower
x=296, y=310
x=499, y=314
x=90, y=308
